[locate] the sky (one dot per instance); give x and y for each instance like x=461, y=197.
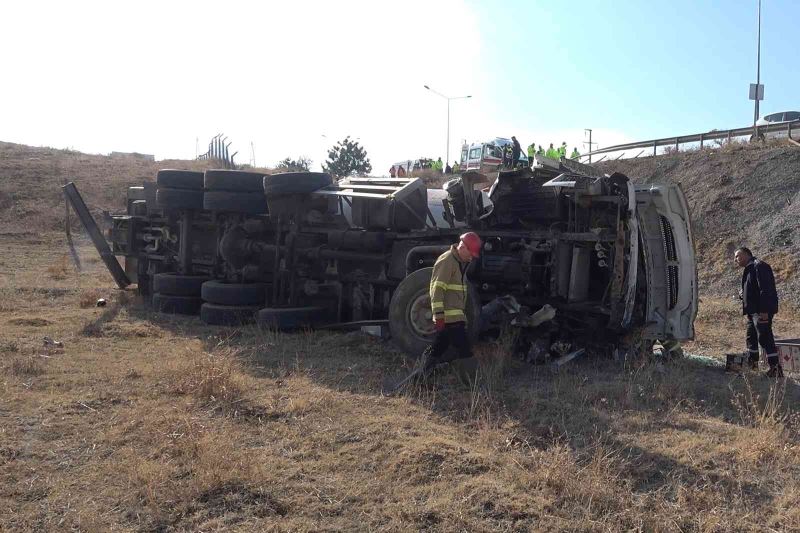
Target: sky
x=290, y=78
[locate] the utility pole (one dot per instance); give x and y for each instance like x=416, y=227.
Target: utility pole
x=252, y=155
x=590, y=143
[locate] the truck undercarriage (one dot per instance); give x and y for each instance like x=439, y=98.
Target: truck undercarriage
x=298, y=249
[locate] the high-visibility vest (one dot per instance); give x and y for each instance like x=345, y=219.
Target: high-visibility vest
x=448, y=289
x=552, y=153
x=540, y=151
x=531, y=150
x=456, y=168
x=574, y=154
x=562, y=151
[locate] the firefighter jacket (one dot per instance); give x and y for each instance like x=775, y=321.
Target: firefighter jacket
x=531, y=151
x=758, y=289
x=449, y=288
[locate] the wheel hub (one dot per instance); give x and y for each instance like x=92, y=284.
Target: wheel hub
x=420, y=316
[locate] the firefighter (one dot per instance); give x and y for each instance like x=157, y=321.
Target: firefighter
x=562, y=150
x=552, y=153
x=448, y=291
x=540, y=151
x=516, y=151
x=437, y=165
x=575, y=155
x=456, y=167
x=531, y=153
x=759, y=305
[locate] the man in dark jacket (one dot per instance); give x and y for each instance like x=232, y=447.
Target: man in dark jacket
x=759, y=305
x=516, y=150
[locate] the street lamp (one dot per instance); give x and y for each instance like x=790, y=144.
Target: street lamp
x=448, y=98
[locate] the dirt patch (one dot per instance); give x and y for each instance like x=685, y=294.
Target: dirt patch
x=33, y=322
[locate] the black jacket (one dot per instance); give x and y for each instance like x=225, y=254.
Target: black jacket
x=758, y=289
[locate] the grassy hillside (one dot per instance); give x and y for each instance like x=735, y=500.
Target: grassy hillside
x=150, y=422
x=31, y=179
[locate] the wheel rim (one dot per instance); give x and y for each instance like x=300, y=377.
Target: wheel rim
x=420, y=316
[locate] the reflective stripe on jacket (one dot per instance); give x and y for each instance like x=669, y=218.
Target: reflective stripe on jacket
x=448, y=288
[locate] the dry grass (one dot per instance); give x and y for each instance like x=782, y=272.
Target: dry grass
x=25, y=366
x=159, y=423
x=58, y=270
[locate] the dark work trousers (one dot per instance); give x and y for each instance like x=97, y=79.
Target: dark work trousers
x=453, y=335
x=760, y=334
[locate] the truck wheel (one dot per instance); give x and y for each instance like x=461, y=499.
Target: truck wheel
x=234, y=181
x=295, y=183
x=180, y=179
x=291, y=317
x=410, y=316
x=235, y=202
x=182, y=305
x=179, y=198
x=228, y=315
x=169, y=283
x=222, y=293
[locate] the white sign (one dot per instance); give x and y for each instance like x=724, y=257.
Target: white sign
x=753, y=91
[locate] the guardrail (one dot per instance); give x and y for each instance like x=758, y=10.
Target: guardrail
x=714, y=135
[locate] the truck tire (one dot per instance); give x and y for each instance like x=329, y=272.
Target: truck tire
x=234, y=181
x=167, y=198
x=228, y=315
x=291, y=317
x=410, y=316
x=182, y=305
x=180, y=179
x=248, y=203
x=223, y=293
x=172, y=284
x=295, y=183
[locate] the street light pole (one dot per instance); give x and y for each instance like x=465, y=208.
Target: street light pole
x=758, y=65
x=448, y=98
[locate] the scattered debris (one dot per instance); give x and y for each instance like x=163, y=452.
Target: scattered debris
x=50, y=342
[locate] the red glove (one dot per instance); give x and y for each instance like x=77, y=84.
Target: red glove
x=438, y=323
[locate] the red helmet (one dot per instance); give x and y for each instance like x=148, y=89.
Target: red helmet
x=472, y=242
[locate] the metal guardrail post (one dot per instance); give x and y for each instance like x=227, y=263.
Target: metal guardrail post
x=655, y=148
x=677, y=143
x=701, y=140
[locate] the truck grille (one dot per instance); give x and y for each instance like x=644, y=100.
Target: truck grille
x=671, y=256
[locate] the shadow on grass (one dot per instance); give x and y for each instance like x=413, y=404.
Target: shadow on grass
x=585, y=402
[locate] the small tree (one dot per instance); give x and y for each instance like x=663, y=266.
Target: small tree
x=301, y=164
x=346, y=158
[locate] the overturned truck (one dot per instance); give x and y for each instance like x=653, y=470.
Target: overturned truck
x=299, y=249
